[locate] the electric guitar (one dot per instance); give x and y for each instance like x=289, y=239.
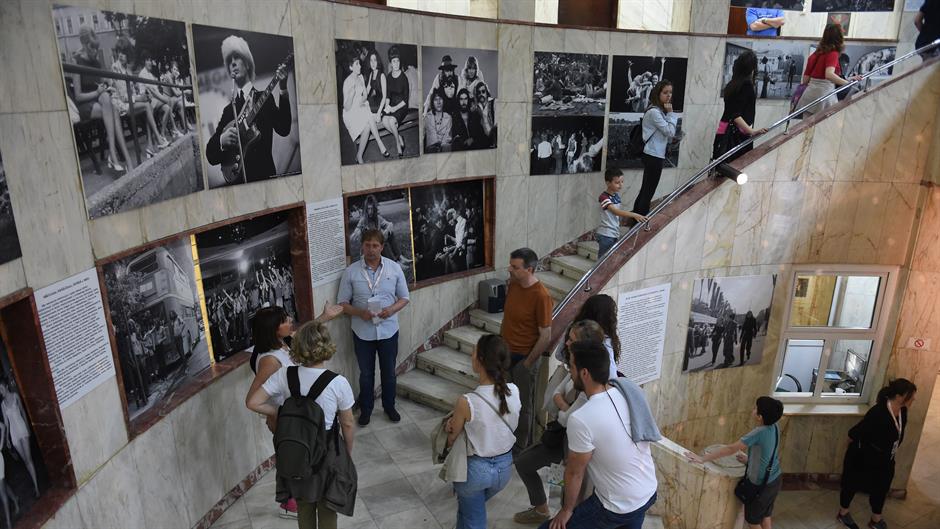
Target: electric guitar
x=233, y=167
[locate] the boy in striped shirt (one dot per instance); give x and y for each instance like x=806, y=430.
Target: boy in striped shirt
x=608, y=231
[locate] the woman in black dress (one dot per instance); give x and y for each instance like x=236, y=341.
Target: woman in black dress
x=398, y=93
x=375, y=85
x=737, y=119
x=869, y=458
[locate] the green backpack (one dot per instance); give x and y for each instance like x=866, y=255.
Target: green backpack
x=300, y=441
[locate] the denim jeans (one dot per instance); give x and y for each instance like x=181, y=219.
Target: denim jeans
x=591, y=514
x=485, y=477
x=604, y=243
x=387, y=351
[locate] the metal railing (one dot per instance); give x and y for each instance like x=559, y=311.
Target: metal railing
x=70, y=68
x=582, y=284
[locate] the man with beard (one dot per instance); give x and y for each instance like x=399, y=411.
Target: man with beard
x=484, y=108
x=467, y=129
x=447, y=71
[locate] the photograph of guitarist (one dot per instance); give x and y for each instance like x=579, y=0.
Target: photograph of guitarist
x=253, y=159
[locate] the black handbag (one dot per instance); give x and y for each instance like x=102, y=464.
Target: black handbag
x=554, y=435
x=746, y=491
x=731, y=138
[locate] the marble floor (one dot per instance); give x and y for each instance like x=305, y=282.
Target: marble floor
x=404, y=492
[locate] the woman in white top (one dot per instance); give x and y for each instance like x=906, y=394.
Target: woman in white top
x=311, y=348
x=489, y=416
x=660, y=127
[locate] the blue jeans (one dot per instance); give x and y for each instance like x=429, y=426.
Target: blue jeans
x=485, y=477
x=591, y=514
x=387, y=351
x=604, y=243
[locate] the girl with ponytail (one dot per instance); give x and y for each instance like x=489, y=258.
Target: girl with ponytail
x=869, y=459
x=488, y=416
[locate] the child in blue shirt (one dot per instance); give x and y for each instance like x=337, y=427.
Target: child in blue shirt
x=608, y=231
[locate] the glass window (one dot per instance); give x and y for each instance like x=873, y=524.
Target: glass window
x=846, y=302
x=800, y=363
x=847, y=367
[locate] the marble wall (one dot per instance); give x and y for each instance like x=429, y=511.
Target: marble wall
x=834, y=193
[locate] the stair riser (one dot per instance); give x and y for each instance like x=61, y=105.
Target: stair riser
x=585, y=252
x=556, y=294
x=460, y=345
x=567, y=271
x=448, y=373
x=421, y=398
x=486, y=325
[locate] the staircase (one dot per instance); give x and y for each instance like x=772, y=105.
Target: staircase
x=444, y=373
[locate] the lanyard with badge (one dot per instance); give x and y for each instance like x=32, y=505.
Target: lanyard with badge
x=374, y=304
x=897, y=424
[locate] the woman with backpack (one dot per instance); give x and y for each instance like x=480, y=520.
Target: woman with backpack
x=737, y=118
x=311, y=348
x=659, y=127
x=488, y=416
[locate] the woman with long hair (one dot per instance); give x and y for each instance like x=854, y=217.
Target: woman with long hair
x=489, y=416
x=133, y=102
x=602, y=309
x=311, y=348
x=737, y=118
x=398, y=95
x=471, y=75
x=357, y=116
x=660, y=127
x=437, y=126
x=823, y=72
x=869, y=458
x=375, y=84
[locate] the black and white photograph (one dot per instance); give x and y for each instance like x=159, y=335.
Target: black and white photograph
x=567, y=144
x=821, y=6
x=379, y=98
x=158, y=326
x=9, y=240
x=728, y=322
x=460, y=90
x=388, y=211
x=129, y=90
x=244, y=266
x=23, y=477
x=448, y=228
x=779, y=65
x=247, y=105
x=569, y=84
x=631, y=81
x=861, y=59
x=786, y=5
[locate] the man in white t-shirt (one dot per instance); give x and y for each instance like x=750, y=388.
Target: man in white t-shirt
x=622, y=471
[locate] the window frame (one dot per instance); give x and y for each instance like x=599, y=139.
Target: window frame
x=884, y=303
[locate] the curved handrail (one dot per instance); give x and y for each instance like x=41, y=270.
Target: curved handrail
x=582, y=284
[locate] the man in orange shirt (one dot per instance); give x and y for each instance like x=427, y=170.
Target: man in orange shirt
x=527, y=329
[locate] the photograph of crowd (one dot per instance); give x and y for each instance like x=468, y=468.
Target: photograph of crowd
x=158, y=327
x=566, y=144
x=448, y=228
x=786, y=5
x=245, y=266
x=246, y=77
x=387, y=211
x=779, y=65
x=822, y=6
x=128, y=87
x=569, y=84
x=22, y=471
x=9, y=240
x=459, y=98
x=379, y=99
x=729, y=316
x=631, y=81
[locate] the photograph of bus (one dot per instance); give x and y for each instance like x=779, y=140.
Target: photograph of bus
x=157, y=322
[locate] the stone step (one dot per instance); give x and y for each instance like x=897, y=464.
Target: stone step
x=652, y=521
x=588, y=249
x=488, y=321
x=572, y=266
x=463, y=338
x=427, y=389
x=449, y=364
x=558, y=285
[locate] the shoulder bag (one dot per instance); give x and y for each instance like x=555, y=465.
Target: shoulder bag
x=746, y=491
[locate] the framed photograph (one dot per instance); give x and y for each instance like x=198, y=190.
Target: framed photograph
x=569, y=84
x=448, y=224
x=779, y=65
x=728, y=322
x=379, y=99
x=388, y=211
x=157, y=321
x=842, y=19
x=566, y=144
x=128, y=86
x=632, y=80
x=460, y=90
x=244, y=266
x=786, y=5
x=821, y=6
x=9, y=240
x=246, y=78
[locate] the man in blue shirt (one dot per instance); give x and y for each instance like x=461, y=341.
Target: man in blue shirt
x=371, y=292
x=764, y=22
